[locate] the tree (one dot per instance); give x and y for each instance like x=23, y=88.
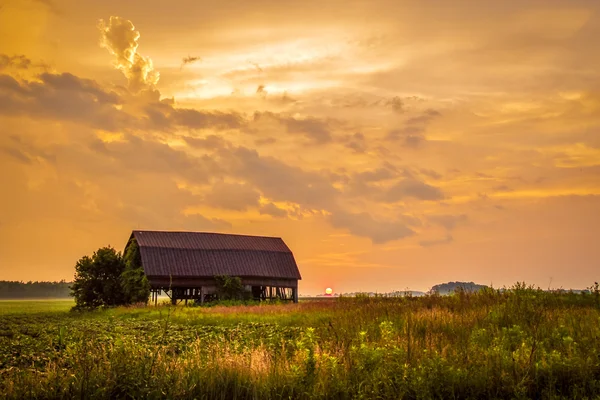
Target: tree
x=133, y=279
x=97, y=280
x=230, y=288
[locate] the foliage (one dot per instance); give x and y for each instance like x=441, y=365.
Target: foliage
x=230, y=288
x=519, y=343
x=97, y=280
x=136, y=286
x=450, y=287
x=33, y=290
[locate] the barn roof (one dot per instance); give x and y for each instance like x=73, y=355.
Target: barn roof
x=203, y=254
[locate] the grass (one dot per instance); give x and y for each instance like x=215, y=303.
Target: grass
x=520, y=343
x=35, y=306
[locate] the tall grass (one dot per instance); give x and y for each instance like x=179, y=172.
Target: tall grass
x=518, y=343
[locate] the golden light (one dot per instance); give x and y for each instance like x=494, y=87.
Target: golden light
x=328, y=291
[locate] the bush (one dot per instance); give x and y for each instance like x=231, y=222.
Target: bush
x=97, y=280
x=231, y=288
x=107, y=279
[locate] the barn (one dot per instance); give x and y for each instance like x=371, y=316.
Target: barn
x=184, y=264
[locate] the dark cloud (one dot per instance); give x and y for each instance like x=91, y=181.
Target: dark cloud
x=17, y=154
x=374, y=175
x=63, y=97
x=414, y=141
x=279, y=181
x=412, y=188
x=272, y=210
x=316, y=130
x=361, y=100
x=412, y=135
x=313, y=128
x=502, y=188
x=198, y=119
x=448, y=221
x=210, y=142
x=265, y=141
x=356, y=142
x=197, y=222
x=164, y=116
x=189, y=60
x=18, y=62
x=362, y=224
x=436, y=242
x=151, y=157
x=232, y=196
x=25, y=152
x=430, y=173
x=424, y=119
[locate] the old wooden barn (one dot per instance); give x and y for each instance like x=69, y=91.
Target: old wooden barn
x=184, y=264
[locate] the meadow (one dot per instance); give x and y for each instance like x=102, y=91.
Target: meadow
x=518, y=343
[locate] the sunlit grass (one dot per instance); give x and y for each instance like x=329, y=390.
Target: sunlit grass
x=522, y=343
x=35, y=306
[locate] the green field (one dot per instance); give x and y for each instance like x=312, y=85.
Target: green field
x=522, y=343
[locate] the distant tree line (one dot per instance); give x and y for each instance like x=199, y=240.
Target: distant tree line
x=450, y=287
x=32, y=290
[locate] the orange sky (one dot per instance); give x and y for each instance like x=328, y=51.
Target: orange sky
x=392, y=145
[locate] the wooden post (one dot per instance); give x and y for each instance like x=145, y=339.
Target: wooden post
x=295, y=294
x=201, y=295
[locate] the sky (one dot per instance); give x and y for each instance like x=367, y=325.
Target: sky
x=393, y=145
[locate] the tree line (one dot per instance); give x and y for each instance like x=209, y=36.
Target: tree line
x=32, y=290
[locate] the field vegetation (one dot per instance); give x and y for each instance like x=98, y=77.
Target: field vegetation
x=518, y=343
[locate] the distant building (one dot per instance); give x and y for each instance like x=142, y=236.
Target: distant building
x=184, y=264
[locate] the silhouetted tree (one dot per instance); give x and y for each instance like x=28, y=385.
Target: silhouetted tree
x=133, y=279
x=97, y=280
x=230, y=288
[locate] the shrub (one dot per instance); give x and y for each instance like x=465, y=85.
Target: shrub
x=97, y=280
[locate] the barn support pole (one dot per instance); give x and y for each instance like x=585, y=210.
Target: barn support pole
x=201, y=295
x=295, y=294
x=156, y=292
x=174, y=297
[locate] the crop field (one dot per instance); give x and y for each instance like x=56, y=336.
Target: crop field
x=520, y=343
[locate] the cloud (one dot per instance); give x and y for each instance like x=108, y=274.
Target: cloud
x=362, y=224
x=447, y=221
x=436, y=242
x=425, y=118
x=272, y=210
x=136, y=154
x=279, y=181
x=211, y=142
x=197, y=222
x=413, y=188
x=120, y=38
x=232, y=196
x=356, y=142
x=164, y=116
x=63, y=97
x=18, y=62
x=412, y=134
x=189, y=60
x=312, y=128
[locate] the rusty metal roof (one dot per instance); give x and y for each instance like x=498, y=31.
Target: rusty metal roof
x=203, y=254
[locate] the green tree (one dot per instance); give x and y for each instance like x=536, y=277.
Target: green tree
x=230, y=288
x=133, y=279
x=97, y=280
